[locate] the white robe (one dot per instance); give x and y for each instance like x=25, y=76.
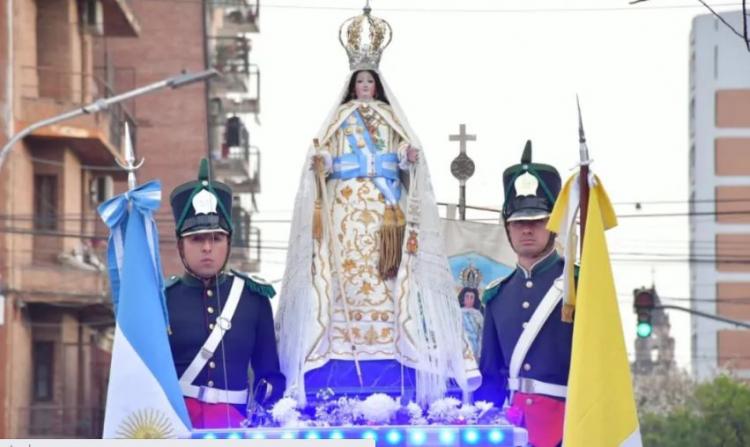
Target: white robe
x=414, y=318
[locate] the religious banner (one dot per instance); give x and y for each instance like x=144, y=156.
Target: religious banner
x=478, y=253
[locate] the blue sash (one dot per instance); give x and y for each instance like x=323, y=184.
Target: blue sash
x=382, y=169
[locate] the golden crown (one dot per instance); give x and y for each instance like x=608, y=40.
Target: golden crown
x=365, y=46
x=471, y=276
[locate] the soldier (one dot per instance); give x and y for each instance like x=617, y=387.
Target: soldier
x=526, y=346
x=220, y=322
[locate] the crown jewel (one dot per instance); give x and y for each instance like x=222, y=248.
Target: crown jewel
x=364, y=37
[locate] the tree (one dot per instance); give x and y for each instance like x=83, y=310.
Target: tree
x=717, y=413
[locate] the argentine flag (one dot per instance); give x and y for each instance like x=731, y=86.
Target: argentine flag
x=144, y=399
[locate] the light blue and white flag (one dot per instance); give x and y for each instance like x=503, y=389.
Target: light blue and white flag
x=144, y=398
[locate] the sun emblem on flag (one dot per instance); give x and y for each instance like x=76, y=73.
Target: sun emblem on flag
x=146, y=424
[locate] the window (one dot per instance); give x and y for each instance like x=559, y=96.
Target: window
x=45, y=202
x=43, y=373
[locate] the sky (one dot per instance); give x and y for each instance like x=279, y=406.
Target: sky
x=510, y=70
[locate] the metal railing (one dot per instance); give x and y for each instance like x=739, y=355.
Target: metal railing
x=239, y=12
x=231, y=55
x=57, y=421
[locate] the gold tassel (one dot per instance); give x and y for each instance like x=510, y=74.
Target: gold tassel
x=317, y=229
x=568, y=310
x=391, y=241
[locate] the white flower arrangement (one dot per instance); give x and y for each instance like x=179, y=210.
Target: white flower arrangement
x=285, y=413
x=381, y=409
x=378, y=408
x=444, y=410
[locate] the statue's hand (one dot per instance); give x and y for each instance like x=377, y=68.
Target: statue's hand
x=412, y=154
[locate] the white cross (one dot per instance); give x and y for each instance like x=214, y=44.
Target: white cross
x=462, y=137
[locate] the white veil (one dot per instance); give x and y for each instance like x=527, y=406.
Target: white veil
x=432, y=297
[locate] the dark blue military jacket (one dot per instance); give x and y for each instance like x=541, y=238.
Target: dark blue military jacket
x=193, y=310
x=509, y=305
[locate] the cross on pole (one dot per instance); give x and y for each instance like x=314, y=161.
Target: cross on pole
x=462, y=167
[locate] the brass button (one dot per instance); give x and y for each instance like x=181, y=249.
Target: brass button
x=525, y=305
x=529, y=401
x=529, y=284
x=384, y=316
x=212, y=364
x=526, y=367
x=210, y=292
x=210, y=383
x=525, y=323
x=211, y=309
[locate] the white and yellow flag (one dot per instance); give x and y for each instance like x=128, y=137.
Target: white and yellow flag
x=600, y=409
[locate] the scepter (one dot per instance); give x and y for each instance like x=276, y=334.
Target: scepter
x=336, y=259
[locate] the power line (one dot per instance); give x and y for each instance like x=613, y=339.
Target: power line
x=470, y=10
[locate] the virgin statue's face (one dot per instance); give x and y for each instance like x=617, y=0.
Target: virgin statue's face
x=364, y=86
x=469, y=298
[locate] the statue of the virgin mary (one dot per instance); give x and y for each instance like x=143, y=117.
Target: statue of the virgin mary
x=367, y=302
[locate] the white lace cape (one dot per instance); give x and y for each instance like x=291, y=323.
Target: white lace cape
x=432, y=292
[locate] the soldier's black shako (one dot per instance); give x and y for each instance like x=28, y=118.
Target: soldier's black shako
x=202, y=205
x=530, y=189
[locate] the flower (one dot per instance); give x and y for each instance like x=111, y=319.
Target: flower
x=444, y=410
x=378, y=408
x=285, y=413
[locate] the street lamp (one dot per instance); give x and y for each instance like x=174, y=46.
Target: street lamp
x=100, y=104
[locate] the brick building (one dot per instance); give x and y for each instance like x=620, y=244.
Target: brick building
x=56, y=319
x=55, y=307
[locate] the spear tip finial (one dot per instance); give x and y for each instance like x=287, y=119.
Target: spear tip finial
x=581, y=134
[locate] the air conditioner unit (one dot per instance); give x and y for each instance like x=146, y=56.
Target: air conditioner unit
x=92, y=17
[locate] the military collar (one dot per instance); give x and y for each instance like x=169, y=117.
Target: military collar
x=193, y=281
x=541, y=265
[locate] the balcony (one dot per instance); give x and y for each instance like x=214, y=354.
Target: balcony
x=226, y=102
x=119, y=19
x=46, y=92
x=231, y=57
x=245, y=256
x=236, y=16
x=239, y=167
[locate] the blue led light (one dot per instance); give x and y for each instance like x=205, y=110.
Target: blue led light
x=370, y=434
x=258, y=435
x=447, y=436
x=417, y=437
x=393, y=437
x=471, y=436
x=312, y=435
x=234, y=435
x=496, y=436
x=209, y=436
x=336, y=434
x=289, y=435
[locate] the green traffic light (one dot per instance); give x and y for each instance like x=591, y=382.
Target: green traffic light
x=644, y=329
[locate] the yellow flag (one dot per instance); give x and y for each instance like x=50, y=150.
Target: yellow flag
x=600, y=409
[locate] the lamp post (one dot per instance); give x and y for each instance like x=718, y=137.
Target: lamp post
x=101, y=104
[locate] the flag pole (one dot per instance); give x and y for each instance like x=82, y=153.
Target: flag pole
x=583, y=176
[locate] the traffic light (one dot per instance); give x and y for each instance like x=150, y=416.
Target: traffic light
x=643, y=305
